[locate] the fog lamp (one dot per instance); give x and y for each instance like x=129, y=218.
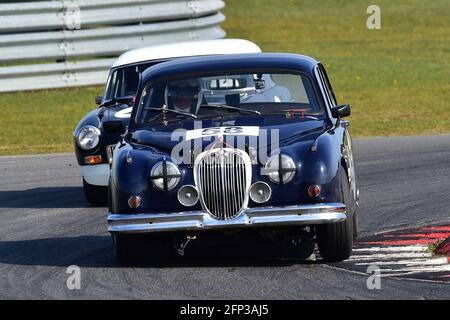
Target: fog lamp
x=188, y=196
x=260, y=192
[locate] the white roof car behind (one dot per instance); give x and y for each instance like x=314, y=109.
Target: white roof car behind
x=186, y=49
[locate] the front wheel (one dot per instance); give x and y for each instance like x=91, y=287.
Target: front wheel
x=124, y=248
x=335, y=240
x=96, y=196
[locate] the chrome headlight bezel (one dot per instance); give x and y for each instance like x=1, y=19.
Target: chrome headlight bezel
x=165, y=175
x=280, y=169
x=82, y=137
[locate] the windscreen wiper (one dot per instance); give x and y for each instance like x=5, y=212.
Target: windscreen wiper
x=227, y=107
x=114, y=101
x=166, y=110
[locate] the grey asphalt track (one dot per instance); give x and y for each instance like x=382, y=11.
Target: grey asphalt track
x=45, y=226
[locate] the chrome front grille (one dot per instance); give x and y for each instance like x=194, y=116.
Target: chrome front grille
x=223, y=178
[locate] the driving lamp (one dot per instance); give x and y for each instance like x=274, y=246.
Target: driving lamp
x=188, y=196
x=260, y=192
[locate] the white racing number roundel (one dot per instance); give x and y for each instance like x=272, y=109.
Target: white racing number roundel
x=222, y=131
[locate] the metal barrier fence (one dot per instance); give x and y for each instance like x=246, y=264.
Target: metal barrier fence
x=72, y=43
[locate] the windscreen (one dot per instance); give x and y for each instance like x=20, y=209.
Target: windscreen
x=262, y=92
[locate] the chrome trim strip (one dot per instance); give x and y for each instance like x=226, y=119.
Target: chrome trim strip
x=110, y=152
x=251, y=217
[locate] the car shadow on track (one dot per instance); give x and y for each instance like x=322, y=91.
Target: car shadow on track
x=97, y=252
x=44, y=198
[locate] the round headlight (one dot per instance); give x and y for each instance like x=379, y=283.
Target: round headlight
x=280, y=169
x=165, y=175
x=88, y=137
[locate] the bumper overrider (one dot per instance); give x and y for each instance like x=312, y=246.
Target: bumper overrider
x=311, y=214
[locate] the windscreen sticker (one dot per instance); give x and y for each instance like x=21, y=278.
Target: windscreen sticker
x=124, y=114
x=222, y=131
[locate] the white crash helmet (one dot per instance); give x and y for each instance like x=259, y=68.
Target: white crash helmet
x=184, y=95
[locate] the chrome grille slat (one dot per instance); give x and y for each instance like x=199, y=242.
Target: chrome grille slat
x=218, y=202
x=210, y=192
x=240, y=178
x=228, y=182
x=233, y=185
x=217, y=193
x=213, y=193
x=238, y=185
x=223, y=177
x=223, y=188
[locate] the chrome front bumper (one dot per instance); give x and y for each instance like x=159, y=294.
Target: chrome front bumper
x=250, y=217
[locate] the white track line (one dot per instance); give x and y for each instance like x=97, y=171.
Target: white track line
x=388, y=256
x=420, y=248
x=417, y=262
x=420, y=269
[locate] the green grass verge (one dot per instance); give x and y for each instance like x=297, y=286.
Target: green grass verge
x=42, y=121
x=396, y=78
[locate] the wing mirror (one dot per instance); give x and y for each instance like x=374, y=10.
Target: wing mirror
x=98, y=100
x=341, y=111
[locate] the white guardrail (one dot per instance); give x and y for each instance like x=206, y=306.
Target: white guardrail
x=70, y=43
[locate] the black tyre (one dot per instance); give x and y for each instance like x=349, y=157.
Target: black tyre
x=109, y=198
x=124, y=248
x=355, y=224
x=96, y=196
x=335, y=240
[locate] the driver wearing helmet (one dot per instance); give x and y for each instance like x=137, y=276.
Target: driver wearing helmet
x=184, y=95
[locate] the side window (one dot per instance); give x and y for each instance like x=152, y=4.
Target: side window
x=111, y=85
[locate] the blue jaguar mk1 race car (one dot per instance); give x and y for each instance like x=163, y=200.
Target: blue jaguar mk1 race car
x=246, y=142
